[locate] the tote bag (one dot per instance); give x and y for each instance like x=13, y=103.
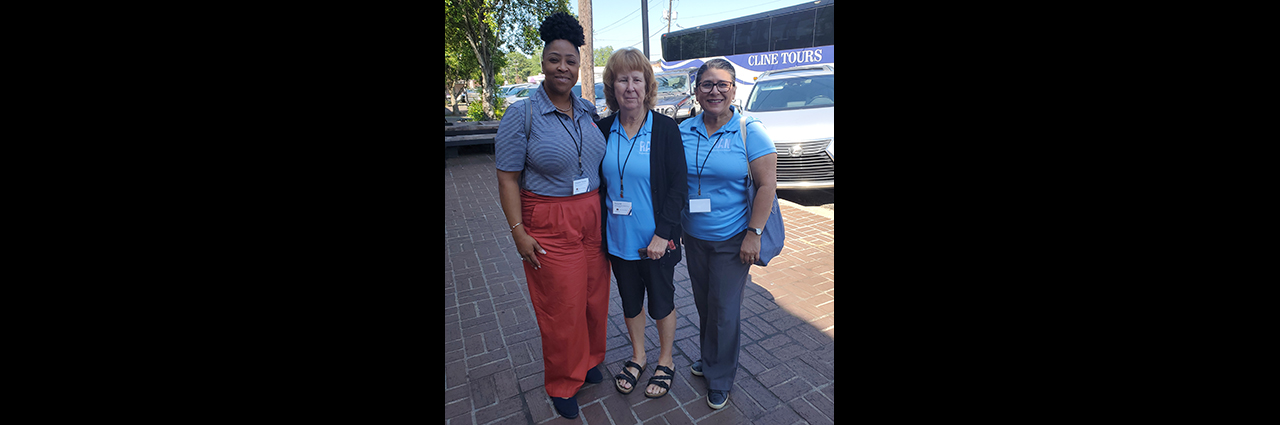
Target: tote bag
x=775, y=235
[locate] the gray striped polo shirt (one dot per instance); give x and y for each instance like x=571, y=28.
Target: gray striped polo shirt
x=550, y=158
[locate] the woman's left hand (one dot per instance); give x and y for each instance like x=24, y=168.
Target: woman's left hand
x=750, y=248
x=656, y=249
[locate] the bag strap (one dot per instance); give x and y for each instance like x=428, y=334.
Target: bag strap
x=528, y=121
x=742, y=127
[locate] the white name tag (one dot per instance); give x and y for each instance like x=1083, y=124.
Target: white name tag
x=699, y=205
x=621, y=208
x=580, y=186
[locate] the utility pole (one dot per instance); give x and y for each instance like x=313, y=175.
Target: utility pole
x=644, y=25
x=586, y=66
x=670, y=14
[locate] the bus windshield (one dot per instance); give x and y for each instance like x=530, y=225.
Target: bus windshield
x=793, y=93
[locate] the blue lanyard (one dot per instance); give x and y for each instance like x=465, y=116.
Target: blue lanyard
x=622, y=168
x=704, y=160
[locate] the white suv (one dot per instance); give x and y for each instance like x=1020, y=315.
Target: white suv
x=797, y=105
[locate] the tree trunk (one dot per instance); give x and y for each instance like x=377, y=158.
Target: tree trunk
x=479, y=39
x=587, y=66
x=486, y=87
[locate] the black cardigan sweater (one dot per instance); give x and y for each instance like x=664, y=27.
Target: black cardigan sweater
x=668, y=176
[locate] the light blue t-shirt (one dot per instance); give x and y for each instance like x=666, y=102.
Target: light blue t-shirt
x=630, y=156
x=723, y=177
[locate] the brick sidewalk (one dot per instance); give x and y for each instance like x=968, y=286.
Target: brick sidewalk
x=493, y=352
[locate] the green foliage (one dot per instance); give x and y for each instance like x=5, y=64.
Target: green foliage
x=482, y=27
x=475, y=110
x=601, y=55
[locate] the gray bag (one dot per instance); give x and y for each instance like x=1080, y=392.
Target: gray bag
x=775, y=234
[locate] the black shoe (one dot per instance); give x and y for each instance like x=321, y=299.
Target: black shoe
x=594, y=376
x=567, y=407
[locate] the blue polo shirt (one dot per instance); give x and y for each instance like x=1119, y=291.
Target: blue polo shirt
x=724, y=175
x=626, y=168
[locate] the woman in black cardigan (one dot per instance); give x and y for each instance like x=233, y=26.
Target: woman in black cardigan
x=644, y=173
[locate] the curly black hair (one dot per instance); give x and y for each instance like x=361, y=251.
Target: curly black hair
x=562, y=26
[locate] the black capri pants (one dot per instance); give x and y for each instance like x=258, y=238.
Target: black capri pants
x=637, y=277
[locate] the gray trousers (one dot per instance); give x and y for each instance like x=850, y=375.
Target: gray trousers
x=717, y=278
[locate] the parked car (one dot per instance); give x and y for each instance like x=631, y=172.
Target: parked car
x=601, y=107
x=797, y=105
x=675, y=94
x=519, y=92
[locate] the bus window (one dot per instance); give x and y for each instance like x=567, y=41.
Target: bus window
x=751, y=37
x=671, y=48
x=793, y=31
x=824, y=28
x=693, y=45
x=720, y=41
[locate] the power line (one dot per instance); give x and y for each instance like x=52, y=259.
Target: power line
x=650, y=36
x=738, y=10
x=606, y=27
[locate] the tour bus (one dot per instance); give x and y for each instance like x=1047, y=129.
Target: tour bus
x=778, y=39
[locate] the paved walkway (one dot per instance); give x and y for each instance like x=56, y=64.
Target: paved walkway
x=493, y=352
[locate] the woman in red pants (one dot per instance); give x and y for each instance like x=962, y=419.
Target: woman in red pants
x=548, y=184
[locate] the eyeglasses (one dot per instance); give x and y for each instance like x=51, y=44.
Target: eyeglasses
x=706, y=86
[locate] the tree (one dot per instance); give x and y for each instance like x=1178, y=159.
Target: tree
x=486, y=25
x=515, y=61
x=602, y=55
x=459, y=64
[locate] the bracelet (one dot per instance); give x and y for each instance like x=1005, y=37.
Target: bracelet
x=513, y=228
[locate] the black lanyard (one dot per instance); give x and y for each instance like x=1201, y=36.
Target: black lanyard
x=623, y=168
x=704, y=160
x=577, y=142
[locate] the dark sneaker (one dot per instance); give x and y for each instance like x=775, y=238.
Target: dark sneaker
x=594, y=376
x=696, y=368
x=567, y=407
x=717, y=399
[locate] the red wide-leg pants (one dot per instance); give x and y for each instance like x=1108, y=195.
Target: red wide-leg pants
x=570, y=292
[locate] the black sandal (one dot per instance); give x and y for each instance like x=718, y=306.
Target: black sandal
x=659, y=381
x=626, y=375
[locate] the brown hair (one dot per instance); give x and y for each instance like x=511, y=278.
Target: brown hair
x=626, y=60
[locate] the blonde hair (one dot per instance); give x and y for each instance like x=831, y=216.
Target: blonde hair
x=626, y=60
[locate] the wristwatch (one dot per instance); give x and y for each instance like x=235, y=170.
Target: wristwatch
x=758, y=231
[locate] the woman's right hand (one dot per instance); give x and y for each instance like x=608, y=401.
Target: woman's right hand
x=528, y=247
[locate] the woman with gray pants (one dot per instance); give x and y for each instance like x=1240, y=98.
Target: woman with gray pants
x=721, y=240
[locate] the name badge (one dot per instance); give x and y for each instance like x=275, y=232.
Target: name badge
x=699, y=205
x=621, y=208
x=580, y=186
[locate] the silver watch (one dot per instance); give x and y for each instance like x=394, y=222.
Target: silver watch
x=758, y=231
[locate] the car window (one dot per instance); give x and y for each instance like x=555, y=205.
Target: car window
x=673, y=83
x=793, y=93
